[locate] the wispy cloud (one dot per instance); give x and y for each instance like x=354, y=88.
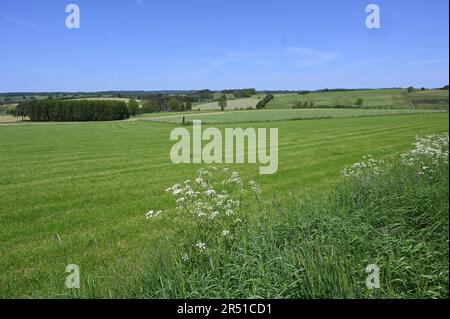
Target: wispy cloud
x=422, y=62
x=8, y=18
x=363, y=64
x=206, y=65
x=306, y=57
x=140, y=3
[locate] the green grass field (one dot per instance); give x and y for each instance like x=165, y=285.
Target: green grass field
x=231, y=104
x=275, y=115
x=385, y=99
x=78, y=193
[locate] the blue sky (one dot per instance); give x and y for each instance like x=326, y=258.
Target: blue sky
x=217, y=44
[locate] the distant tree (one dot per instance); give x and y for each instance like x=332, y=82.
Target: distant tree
x=202, y=95
x=151, y=105
x=445, y=87
x=300, y=105
x=175, y=105
x=223, y=102
x=359, y=102
x=133, y=107
x=188, y=105
x=423, y=89
x=262, y=103
x=411, y=89
x=311, y=104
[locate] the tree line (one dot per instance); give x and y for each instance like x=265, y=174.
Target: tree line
x=164, y=103
x=240, y=93
x=262, y=103
x=72, y=110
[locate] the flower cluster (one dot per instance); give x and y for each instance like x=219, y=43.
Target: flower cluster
x=211, y=203
x=203, y=198
x=368, y=165
x=428, y=152
x=153, y=214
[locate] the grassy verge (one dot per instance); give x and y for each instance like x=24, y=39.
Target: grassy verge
x=393, y=215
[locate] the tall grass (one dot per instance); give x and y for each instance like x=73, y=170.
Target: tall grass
x=393, y=214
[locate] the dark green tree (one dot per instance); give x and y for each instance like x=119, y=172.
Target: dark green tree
x=223, y=102
x=175, y=105
x=262, y=103
x=133, y=107
x=359, y=102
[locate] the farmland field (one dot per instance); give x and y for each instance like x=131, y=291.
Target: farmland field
x=232, y=104
x=79, y=193
x=385, y=99
x=278, y=115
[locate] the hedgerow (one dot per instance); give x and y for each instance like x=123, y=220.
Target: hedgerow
x=72, y=110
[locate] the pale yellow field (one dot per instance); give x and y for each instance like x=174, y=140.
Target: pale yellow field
x=232, y=104
x=9, y=119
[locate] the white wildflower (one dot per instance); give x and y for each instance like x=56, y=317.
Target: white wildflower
x=209, y=192
x=201, y=246
x=214, y=214
x=152, y=214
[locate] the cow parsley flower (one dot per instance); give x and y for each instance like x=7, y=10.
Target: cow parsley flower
x=201, y=246
x=209, y=192
x=152, y=214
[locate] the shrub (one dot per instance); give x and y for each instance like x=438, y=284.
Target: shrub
x=359, y=102
x=133, y=107
x=298, y=105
